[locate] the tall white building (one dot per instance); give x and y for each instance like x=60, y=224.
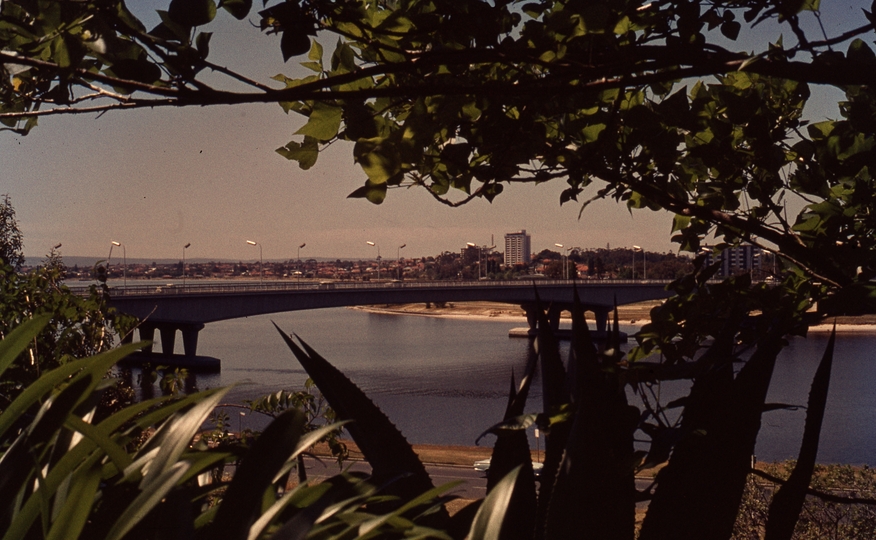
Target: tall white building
x=517, y=248
x=737, y=260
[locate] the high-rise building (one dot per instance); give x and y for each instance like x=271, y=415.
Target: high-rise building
x=517, y=248
x=737, y=260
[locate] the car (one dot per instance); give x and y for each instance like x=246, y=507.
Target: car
x=483, y=466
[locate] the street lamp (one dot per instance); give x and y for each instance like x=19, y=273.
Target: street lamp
x=124, y=264
x=299, y=262
x=644, y=263
x=378, y=257
x=480, y=251
x=185, y=247
x=563, y=260
x=261, y=271
x=398, y=259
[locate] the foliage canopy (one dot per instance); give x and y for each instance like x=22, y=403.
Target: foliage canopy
x=11, y=242
x=470, y=96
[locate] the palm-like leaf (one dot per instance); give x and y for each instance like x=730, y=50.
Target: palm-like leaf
x=594, y=492
x=383, y=446
x=788, y=501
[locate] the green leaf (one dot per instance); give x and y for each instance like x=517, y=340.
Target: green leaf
x=202, y=42
x=20, y=462
x=192, y=12
x=146, y=500
x=315, y=53
x=239, y=9
x=378, y=157
x=383, y=446
x=116, y=453
x=293, y=43
x=79, y=502
x=18, y=340
x=375, y=193
x=591, y=132
x=305, y=153
x=139, y=70
x=32, y=394
x=242, y=502
x=488, y=521
x=680, y=222
x=174, y=437
x=324, y=122
x=731, y=29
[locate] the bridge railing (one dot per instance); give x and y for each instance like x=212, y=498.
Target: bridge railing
x=287, y=286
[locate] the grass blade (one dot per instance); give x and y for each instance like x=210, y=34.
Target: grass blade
x=489, y=520
x=242, y=503
x=147, y=499
x=18, y=340
x=38, y=390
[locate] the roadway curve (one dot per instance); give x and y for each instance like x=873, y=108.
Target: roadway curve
x=199, y=304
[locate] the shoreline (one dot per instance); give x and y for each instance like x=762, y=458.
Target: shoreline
x=633, y=314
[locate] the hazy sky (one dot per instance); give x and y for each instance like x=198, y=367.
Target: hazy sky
x=156, y=180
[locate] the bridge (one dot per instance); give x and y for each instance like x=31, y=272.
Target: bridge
x=172, y=308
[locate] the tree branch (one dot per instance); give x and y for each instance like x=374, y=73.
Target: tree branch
x=814, y=492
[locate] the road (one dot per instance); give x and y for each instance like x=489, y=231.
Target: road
x=474, y=483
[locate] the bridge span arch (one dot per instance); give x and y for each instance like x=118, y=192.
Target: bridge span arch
x=187, y=309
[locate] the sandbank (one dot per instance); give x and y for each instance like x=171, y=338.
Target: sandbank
x=635, y=314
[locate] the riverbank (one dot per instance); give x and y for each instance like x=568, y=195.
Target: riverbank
x=637, y=314
x=629, y=314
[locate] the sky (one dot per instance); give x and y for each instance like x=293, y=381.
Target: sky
x=156, y=180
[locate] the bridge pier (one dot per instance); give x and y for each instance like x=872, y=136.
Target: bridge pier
x=147, y=333
x=190, y=338
x=601, y=316
x=167, y=333
x=168, y=339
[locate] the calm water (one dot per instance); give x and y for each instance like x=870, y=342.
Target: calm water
x=444, y=381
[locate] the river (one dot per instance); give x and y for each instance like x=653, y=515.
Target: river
x=443, y=381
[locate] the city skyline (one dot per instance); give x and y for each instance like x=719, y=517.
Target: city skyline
x=155, y=180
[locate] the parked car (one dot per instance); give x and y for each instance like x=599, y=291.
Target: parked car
x=483, y=466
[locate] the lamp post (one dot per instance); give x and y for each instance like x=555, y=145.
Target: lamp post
x=398, y=259
x=644, y=263
x=563, y=259
x=124, y=262
x=185, y=247
x=299, y=262
x=378, y=257
x=568, y=270
x=472, y=244
x=486, y=250
x=261, y=271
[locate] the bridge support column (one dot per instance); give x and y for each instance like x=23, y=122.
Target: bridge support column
x=601, y=317
x=531, y=318
x=190, y=339
x=553, y=316
x=168, y=338
x=147, y=333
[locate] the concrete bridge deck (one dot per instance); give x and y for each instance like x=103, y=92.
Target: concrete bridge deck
x=188, y=308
